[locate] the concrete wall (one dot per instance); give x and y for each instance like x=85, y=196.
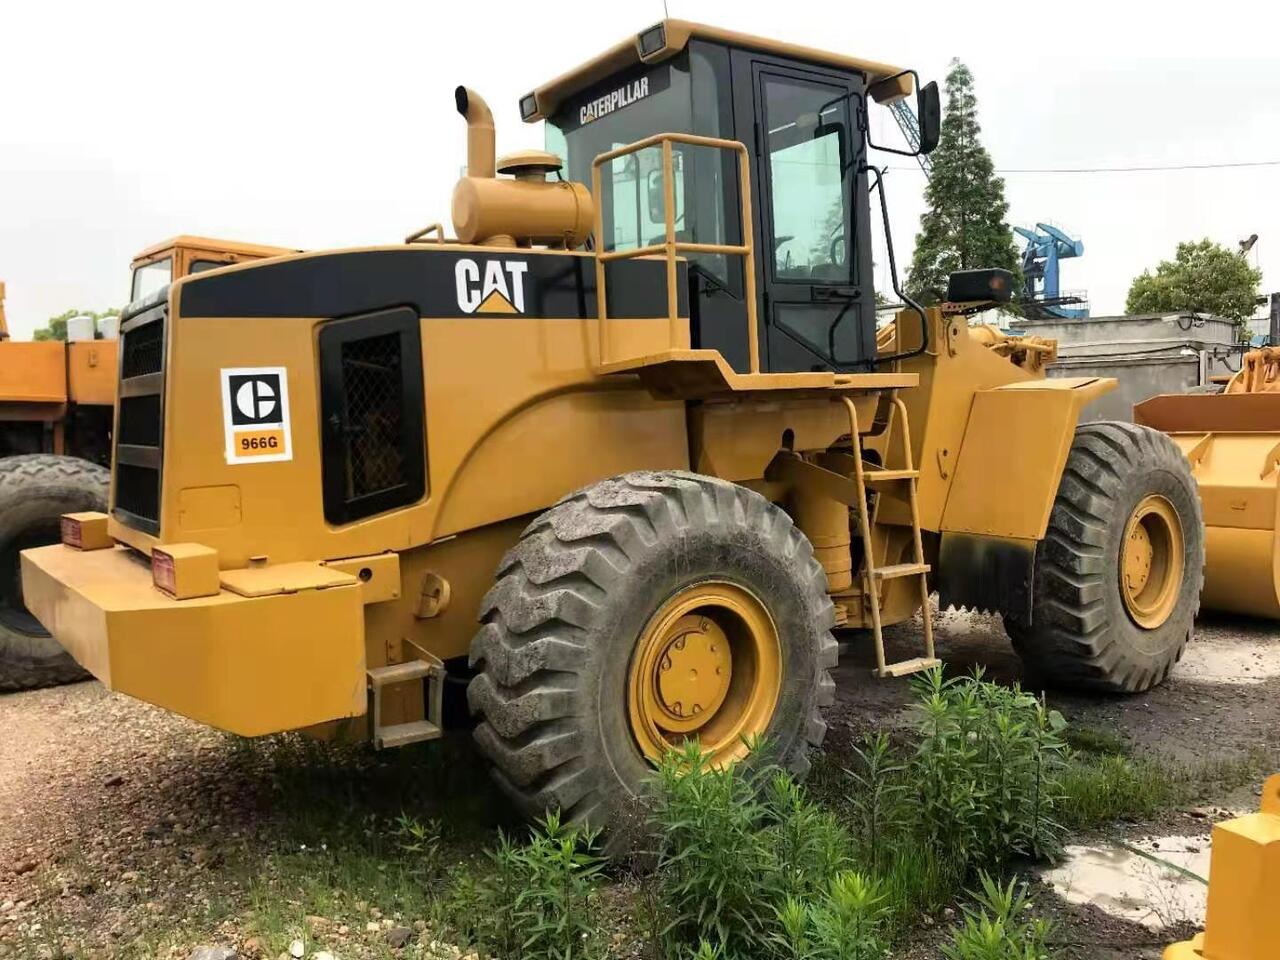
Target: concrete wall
x=1148, y=355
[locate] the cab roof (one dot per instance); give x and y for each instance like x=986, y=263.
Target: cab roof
x=667, y=38
x=208, y=243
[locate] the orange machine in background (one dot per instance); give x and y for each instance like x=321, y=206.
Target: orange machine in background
x=56, y=411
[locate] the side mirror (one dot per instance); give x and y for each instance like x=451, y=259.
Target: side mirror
x=657, y=201
x=929, y=113
x=656, y=196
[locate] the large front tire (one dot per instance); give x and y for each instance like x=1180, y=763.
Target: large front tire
x=1118, y=574
x=35, y=490
x=604, y=639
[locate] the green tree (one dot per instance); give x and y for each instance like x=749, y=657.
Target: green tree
x=964, y=227
x=1204, y=277
x=56, y=328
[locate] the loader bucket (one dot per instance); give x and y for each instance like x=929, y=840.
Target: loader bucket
x=1233, y=444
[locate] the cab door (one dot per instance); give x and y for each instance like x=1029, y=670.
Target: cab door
x=813, y=265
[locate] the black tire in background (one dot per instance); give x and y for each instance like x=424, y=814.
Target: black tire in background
x=574, y=600
x=35, y=490
x=1083, y=631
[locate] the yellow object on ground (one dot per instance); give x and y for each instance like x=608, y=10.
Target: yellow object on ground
x=1232, y=441
x=1243, y=922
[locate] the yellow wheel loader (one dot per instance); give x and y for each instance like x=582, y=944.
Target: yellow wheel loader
x=55, y=447
x=1231, y=438
x=637, y=420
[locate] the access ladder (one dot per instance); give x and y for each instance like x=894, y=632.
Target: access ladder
x=866, y=474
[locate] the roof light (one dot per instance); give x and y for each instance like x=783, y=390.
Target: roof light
x=652, y=41
x=528, y=106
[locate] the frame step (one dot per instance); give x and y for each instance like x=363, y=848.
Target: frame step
x=399, y=734
x=400, y=673
x=905, y=667
x=427, y=669
x=888, y=476
x=895, y=570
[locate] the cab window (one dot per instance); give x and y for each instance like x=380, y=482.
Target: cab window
x=200, y=266
x=640, y=104
x=150, y=277
x=811, y=205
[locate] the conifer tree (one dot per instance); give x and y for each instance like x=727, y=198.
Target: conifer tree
x=964, y=227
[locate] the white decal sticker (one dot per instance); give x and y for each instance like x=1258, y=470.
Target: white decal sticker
x=497, y=288
x=255, y=414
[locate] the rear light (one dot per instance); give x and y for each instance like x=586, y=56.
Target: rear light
x=185, y=570
x=85, y=531
x=163, y=573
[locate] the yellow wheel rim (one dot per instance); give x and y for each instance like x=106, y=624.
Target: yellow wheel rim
x=708, y=665
x=1151, y=565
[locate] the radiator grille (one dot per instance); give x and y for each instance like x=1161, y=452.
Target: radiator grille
x=142, y=351
x=139, y=435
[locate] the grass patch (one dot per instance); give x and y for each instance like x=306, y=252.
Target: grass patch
x=1096, y=741
x=1100, y=789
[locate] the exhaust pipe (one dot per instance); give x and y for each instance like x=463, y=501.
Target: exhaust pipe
x=481, y=149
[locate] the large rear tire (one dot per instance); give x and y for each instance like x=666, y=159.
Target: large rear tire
x=35, y=490
x=1118, y=574
x=640, y=611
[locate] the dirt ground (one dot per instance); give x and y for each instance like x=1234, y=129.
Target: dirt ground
x=114, y=813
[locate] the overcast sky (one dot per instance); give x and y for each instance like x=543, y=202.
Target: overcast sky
x=332, y=124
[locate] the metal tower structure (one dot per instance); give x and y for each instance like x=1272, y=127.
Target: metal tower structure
x=910, y=127
x=1043, y=295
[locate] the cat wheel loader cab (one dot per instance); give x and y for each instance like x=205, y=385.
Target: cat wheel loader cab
x=56, y=409
x=618, y=458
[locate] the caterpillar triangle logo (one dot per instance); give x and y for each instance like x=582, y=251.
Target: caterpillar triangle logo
x=496, y=286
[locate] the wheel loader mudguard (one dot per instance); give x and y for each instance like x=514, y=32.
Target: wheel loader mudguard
x=1011, y=456
x=986, y=573
x=274, y=657
x=1232, y=442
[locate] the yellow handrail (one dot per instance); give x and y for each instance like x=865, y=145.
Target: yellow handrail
x=671, y=247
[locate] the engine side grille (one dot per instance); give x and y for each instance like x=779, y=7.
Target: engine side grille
x=140, y=416
x=372, y=378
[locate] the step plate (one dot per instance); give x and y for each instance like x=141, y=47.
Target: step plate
x=399, y=734
x=905, y=667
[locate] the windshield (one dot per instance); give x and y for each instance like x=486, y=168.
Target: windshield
x=150, y=277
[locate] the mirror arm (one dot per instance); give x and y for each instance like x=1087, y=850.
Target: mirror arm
x=915, y=79
x=893, y=275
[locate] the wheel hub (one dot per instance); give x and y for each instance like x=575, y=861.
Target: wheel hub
x=707, y=665
x=1151, y=562
x=1138, y=554
x=693, y=673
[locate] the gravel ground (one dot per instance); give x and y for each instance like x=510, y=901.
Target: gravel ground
x=116, y=817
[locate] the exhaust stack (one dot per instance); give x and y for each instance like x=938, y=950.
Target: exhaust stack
x=481, y=149
x=521, y=208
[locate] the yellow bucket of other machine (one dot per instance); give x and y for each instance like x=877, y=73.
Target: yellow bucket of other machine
x=1232, y=441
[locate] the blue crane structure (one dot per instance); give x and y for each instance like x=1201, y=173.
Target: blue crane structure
x=910, y=127
x=1043, y=295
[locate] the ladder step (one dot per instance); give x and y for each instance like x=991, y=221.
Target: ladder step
x=400, y=673
x=904, y=667
x=895, y=570
x=889, y=476
x=398, y=734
